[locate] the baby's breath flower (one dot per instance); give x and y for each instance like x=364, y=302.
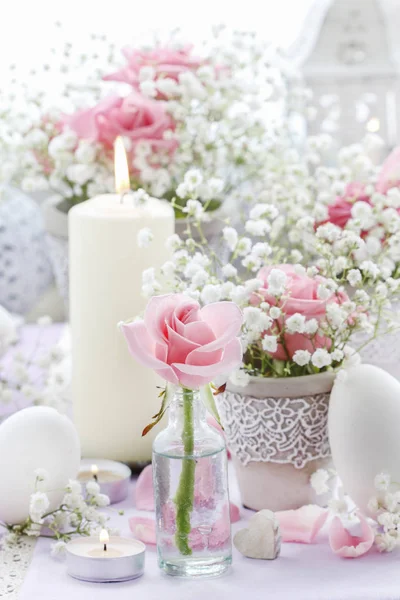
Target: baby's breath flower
x=321, y=358
x=301, y=357
x=144, y=237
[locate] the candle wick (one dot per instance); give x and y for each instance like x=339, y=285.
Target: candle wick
x=105, y=548
x=122, y=195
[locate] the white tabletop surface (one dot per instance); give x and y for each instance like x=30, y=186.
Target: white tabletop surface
x=302, y=572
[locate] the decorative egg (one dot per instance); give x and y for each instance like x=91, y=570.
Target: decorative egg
x=364, y=430
x=31, y=439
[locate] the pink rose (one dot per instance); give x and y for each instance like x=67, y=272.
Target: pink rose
x=300, y=297
x=390, y=173
x=186, y=344
x=340, y=212
x=166, y=62
x=135, y=117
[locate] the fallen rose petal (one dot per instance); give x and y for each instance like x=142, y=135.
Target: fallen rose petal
x=234, y=512
x=144, y=529
x=220, y=534
x=198, y=540
x=346, y=545
x=144, y=491
x=204, y=484
x=301, y=525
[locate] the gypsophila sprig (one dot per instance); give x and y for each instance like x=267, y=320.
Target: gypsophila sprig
x=77, y=514
x=34, y=376
x=299, y=318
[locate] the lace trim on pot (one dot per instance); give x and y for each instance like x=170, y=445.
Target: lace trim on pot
x=278, y=430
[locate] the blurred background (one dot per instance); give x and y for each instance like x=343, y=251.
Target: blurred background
x=345, y=51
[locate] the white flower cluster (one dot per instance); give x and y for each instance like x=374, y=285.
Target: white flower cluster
x=34, y=377
x=386, y=507
x=298, y=318
x=349, y=212
x=324, y=482
x=77, y=513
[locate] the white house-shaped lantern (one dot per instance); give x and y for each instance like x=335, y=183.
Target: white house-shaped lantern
x=348, y=50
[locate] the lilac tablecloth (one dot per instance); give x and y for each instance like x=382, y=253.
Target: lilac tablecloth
x=301, y=572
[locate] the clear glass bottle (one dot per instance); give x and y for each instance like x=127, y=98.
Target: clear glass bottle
x=191, y=492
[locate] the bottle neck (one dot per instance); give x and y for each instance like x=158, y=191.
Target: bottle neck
x=186, y=403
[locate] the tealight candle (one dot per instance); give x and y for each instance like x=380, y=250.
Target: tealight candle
x=113, y=477
x=105, y=559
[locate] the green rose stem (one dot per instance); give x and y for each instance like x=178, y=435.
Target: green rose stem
x=185, y=493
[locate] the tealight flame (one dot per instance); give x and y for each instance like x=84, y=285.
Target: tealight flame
x=94, y=469
x=104, y=537
x=122, y=182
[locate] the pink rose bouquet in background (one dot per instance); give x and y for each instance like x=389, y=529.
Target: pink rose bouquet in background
x=340, y=211
x=389, y=175
x=135, y=117
x=162, y=61
x=182, y=112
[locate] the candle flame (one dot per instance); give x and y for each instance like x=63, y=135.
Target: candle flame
x=122, y=182
x=94, y=469
x=104, y=537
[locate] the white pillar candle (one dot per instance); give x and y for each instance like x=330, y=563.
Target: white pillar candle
x=113, y=396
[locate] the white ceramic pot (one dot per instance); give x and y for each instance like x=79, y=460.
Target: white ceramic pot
x=277, y=434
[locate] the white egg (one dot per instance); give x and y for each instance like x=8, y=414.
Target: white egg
x=35, y=438
x=364, y=429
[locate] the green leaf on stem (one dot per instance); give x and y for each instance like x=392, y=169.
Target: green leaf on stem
x=166, y=396
x=207, y=397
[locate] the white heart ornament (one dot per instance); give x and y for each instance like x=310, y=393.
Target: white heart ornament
x=261, y=539
x=35, y=438
x=364, y=430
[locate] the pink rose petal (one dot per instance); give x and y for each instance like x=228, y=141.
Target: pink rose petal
x=346, y=545
x=204, y=484
x=234, y=512
x=194, y=376
x=144, y=529
x=142, y=348
x=144, y=491
x=185, y=344
x=390, y=172
x=301, y=525
x=225, y=320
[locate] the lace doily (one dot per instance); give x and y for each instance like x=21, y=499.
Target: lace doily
x=25, y=271
x=58, y=248
x=279, y=430
x=15, y=561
